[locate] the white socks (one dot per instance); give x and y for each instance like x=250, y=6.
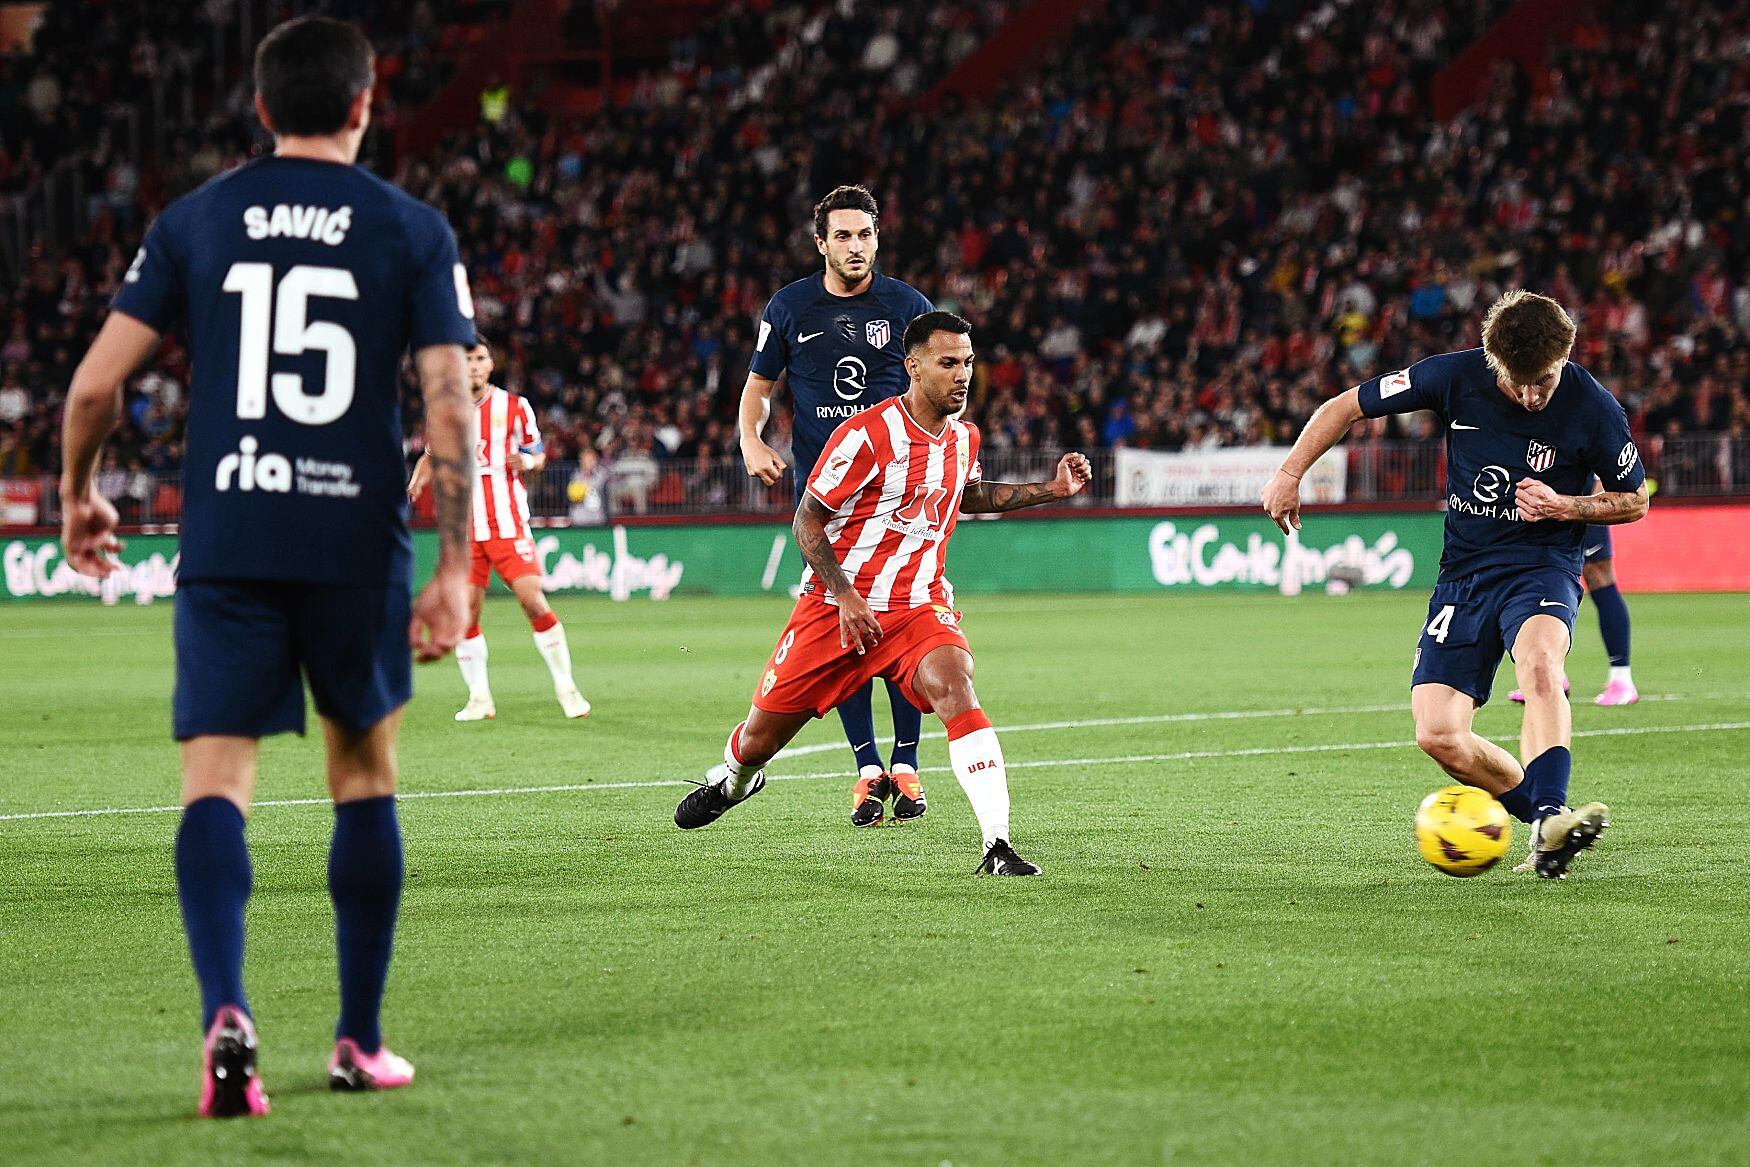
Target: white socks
x=740, y=777
x=471, y=658
x=977, y=758
x=556, y=653
x=1621, y=673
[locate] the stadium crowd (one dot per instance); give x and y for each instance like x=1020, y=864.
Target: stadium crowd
x=1186, y=228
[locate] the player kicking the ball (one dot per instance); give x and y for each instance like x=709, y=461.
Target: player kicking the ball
x=1526, y=431
x=874, y=527
x=510, y=444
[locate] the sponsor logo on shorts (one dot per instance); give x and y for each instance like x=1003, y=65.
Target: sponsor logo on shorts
x=948, y=616
x=1540, y=457
x=1416, y=660
x=771, y=679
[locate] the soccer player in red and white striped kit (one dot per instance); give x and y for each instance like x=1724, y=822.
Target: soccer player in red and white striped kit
x=509, y=444
x=874, y=525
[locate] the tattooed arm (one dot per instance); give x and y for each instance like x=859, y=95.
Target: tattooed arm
x=858, y=627
x=982, y=498
x=440, y=613
x=1537, y=502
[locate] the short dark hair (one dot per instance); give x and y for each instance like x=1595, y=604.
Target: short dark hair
x=919, y=331
x=1525, y=335
x=845, y=198
x=309, y=70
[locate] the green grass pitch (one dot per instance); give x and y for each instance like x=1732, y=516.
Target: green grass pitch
x=1235, y=955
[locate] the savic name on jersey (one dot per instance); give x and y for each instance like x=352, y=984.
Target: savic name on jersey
x=895, y=496
x=843, y=353
x=300, y=284
x=1492, y=442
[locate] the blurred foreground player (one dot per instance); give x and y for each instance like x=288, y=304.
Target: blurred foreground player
x=301, y=282
x=1525, y=427
x=836, y=337
x=874, y=527
x=510, y=443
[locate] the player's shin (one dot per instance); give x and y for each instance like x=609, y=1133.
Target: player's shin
x=977, y=758
x=364, y=881
x=471, y=659
x=213, y=881
x=741, y=774
x=550, y=639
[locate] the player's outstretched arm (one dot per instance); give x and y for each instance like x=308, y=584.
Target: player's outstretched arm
x=94, y=405
x=761, y=460
x=858, y=627
x=1326, y=427
x=984, y=498
x=1536, y=502
x=440, y=614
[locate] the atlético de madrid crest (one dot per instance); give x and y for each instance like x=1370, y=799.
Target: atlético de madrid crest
x=1540, y=457
x=878, y=333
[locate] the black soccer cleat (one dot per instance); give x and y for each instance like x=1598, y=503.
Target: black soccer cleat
x=708, y=803
x=1564, y=836
x=1000, y=859
x=908, y=797
x=866, y=799
x=230, y=1086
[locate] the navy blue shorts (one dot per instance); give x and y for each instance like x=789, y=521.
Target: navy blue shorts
x=1473, y=621
x=1597, y=544
x=244, y=648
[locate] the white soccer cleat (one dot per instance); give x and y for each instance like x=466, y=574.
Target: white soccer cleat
x=477, y=709
x=572, y=702
x=1530, y=864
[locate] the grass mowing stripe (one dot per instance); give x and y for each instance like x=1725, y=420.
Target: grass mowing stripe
x=1126, y=759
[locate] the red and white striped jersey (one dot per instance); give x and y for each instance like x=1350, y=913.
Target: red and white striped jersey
x=895, y=496
x=501, y=505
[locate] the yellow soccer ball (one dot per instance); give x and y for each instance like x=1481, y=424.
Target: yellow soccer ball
x=1462, y=830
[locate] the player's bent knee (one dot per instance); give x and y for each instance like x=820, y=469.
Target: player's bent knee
x=1445, y=745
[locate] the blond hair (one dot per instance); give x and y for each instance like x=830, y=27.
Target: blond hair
x=1525, y=336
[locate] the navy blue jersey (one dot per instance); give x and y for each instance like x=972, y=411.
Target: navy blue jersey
x=1492, y=442
x=844, y=353
x=301, y=285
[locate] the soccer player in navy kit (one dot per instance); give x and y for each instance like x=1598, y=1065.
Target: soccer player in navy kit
x=838, y=335
x=1527, y=430
x=301, y=281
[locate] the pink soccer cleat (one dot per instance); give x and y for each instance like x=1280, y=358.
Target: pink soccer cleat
x=351, y=1068
x=1618, y=693
x=230, y=1087
x=1518, y=697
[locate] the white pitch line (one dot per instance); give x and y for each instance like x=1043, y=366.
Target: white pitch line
x=1217, y=715
x=1126, y=759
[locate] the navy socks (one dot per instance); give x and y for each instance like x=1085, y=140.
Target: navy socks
x=1612, y=623
x=857, y=715
x=364, y=880
x=1547, y=778
x=213, y=880
x=908, y=726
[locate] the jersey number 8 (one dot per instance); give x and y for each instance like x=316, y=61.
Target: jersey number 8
x=292, y=334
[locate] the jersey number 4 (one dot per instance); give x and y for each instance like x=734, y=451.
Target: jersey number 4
x=288, y=326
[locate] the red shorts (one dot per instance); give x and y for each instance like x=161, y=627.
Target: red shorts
x=512, y=559
x=809, y=673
